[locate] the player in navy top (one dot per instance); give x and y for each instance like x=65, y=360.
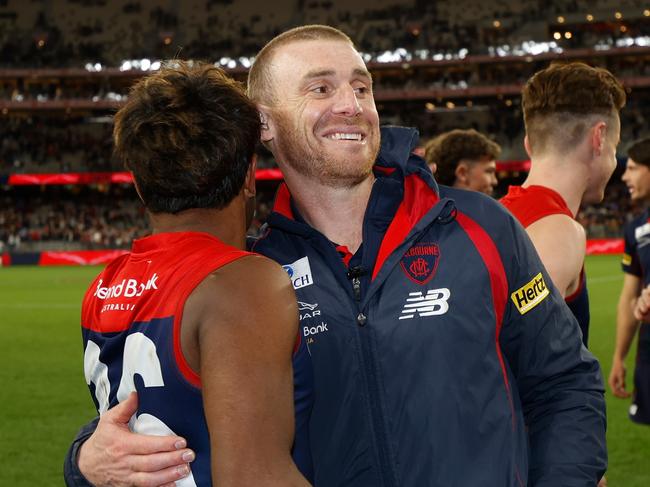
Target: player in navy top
x=634, y=304
x=202, y=330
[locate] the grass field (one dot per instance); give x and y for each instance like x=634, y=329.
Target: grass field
x=44, y=398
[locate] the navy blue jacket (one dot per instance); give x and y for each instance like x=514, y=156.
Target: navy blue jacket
x=443, y=351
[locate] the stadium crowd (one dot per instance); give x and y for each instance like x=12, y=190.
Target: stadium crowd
x=59, y=218
x=34, y=141
x=40, y=143
x=39, y=39
x=112, y=216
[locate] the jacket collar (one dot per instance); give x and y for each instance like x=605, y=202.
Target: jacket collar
x=395, y=160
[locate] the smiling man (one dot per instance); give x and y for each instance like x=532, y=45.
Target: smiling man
x=439, y=340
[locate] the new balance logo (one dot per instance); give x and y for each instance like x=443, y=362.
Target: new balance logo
x=434, y=303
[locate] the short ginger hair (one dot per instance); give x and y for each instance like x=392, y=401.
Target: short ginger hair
x=260, y=81
x=560, y=103
x=449, y=148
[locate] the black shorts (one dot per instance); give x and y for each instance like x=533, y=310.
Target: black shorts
x=640, y=407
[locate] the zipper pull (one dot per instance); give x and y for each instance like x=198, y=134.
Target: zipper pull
x=354, y=274
x=356, y=285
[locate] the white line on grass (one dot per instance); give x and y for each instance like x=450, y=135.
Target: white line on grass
x=599, y=279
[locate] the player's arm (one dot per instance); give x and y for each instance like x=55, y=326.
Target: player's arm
x=560, y=242
x=246, y=333
x=112, y=456
x=626, y=327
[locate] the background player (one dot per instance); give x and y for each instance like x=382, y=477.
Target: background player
x=201, y=329
x=636, y=268
x=464, y=159
x=571, y=113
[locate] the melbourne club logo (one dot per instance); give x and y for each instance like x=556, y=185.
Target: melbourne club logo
x=420, y=262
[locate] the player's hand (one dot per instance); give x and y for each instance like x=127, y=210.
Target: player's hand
x=617, y=379
x=603, y=482
x=115, y=457
x=642, y=305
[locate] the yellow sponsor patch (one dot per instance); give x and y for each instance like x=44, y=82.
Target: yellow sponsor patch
x=627, y=259
x=530, y=295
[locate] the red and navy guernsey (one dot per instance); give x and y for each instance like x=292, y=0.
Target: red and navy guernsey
x=533, y=203
x=131, y=319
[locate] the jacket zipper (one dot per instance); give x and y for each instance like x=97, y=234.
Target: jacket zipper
x=386, y=470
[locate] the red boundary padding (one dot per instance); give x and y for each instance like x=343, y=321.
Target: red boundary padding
x=605, y=246
x=106, y=178
x=125, y=177
x=70, y=178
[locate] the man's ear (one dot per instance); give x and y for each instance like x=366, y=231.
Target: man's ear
x=527, y=146
x=267, y=129
x=598, y=137
x=249, y=182
x=461, y=173
x=137, y=188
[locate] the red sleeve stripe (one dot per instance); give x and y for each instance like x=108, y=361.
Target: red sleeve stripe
x=498, y=282
x=186, y=371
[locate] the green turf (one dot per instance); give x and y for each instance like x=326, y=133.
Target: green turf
x=44, y=399
x=628, y=442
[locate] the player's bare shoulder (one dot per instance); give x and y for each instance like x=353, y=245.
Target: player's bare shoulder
x=249, y=279
x=561, y=229
x=560, y=242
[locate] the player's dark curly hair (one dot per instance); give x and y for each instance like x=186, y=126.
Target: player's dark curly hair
x=562, y=101
x=448, y=149
x=188, y=134
x=639, y=151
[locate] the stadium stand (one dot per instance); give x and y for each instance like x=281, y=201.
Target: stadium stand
x=66, y=66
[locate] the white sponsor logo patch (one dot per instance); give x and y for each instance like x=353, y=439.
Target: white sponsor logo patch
x=432, y=304
x=299, y=273
x=641, y=235
x=642, y=231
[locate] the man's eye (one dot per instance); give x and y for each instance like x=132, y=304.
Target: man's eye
x=361, y=90
x=320, y=89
